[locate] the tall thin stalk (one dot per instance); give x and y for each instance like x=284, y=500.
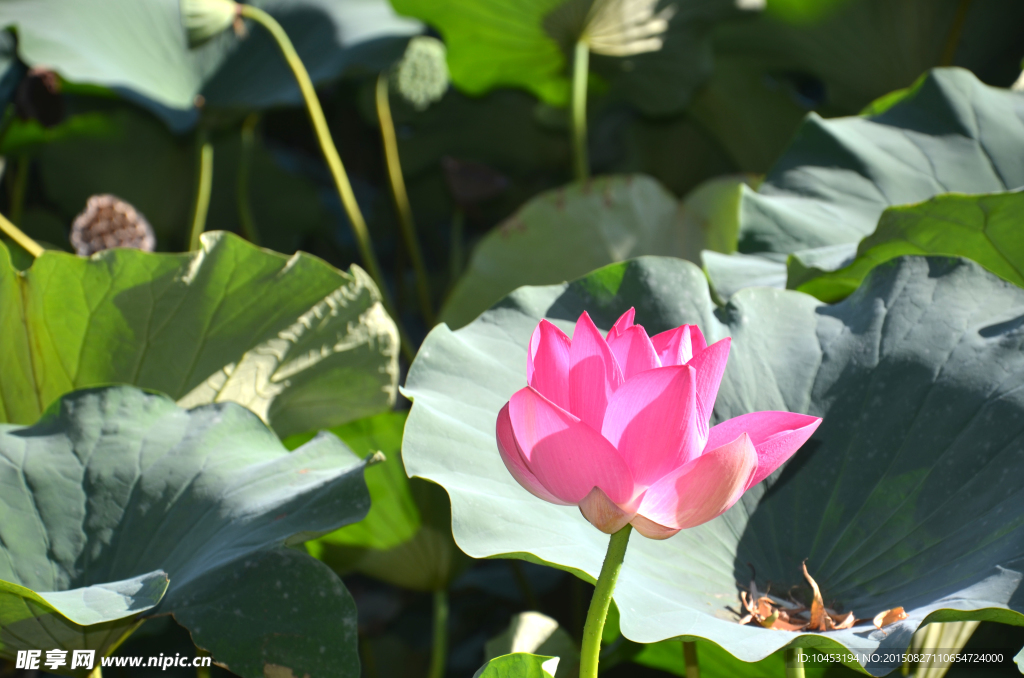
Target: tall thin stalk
x=794, y=665
x=956, y=29
x=330, y=152
x=204, y=186
x=580, y=72
x=397, y=181
x=18, y=236
x=439, y=651
x=19, y=186
x=245, y=218
x=593, y=629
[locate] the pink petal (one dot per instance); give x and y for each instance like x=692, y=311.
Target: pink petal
x=676, y=347
x=775, y=435
x=593, y=373
x=703, y=489
x=567, y=457
x=651, y=422
x=651, y=529
x=624, y=322
x=514, y=461
x=710, y=366
x=606, y=515
x=633, y=351
x=547, y=363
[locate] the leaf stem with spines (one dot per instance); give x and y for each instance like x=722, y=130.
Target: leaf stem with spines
x=580, y=73
x=690, y=663
x=593, y=629
x=334, y=164
x=18, y=236
x=204, y=187
x=397, y=181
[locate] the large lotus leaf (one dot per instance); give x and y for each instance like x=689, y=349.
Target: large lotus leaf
x=115, y=482
x=297, y=341
x=508, y=43
x=950, y=133
x=393, y=517
x=986, y=229
x=907, y=495
x=140, y=46
x=562, y=234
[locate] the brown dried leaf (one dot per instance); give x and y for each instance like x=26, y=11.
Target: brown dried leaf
x=843, y=621
x=818, y=616
x=886, y=617
x=789, y=626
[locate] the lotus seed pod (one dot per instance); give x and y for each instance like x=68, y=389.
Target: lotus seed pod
x=205, y=19
x=421, y=77
x=109, y=222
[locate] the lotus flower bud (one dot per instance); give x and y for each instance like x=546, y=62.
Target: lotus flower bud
x=619, y=425
x=205, y=19
x=109, y=222
x=421, y=77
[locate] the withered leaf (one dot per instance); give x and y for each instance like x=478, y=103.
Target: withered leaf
x=842, y=621
x=886, y=617
x=819, y=620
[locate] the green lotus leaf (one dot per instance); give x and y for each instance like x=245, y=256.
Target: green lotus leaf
x=504, y=43
x=114, y=483
x=142, y=48
x=297, y=341
x=983, y=228
x=836, y=56
x=518, y=665
x=562, y=234
x=907, y=494
x=947, y=133
x=537, y=633
x=393, y=517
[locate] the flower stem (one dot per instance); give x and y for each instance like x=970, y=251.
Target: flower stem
x=580, y=71
x=690, y=659
x=599, y=604
x=202, y=671
x=19, y=187
x=405, y=220
x=956, y=29
x=245, y=219
x=18, y=236
x=439, y=653
x=204, y=186
x=327, y=147
x=794, y=666
x=97, y=671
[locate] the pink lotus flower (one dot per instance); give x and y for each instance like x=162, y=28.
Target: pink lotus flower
x=620, y=426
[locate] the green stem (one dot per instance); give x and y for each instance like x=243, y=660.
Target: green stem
x=19, y=187
x=794, y=667
x=327, y=147
x=245, y=220
x=405, y=219
x=580, y=71
x=690, y=659
x=202, y=671
x=204, y=186
x=16, y=234
x=956, y=29
x=593, y=629
x=97, y=671
x=455, y=254
x=524, y=585
x=439, y=653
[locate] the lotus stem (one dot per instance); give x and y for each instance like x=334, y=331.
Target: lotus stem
x=455, y=251
x=204, y=186
x=956, y=29
x=97, y=671
x=18, y=188
x=245, y=219
x=439, y=652
x=580, y=71
x=334, y=164
x=18, y=236
x=202, y=671
x=794, y=665
x=593, y=629
x=690, y=659
x=405, y=219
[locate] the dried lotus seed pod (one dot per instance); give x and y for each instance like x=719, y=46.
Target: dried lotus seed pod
x=109, y=222
x=421, y=77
